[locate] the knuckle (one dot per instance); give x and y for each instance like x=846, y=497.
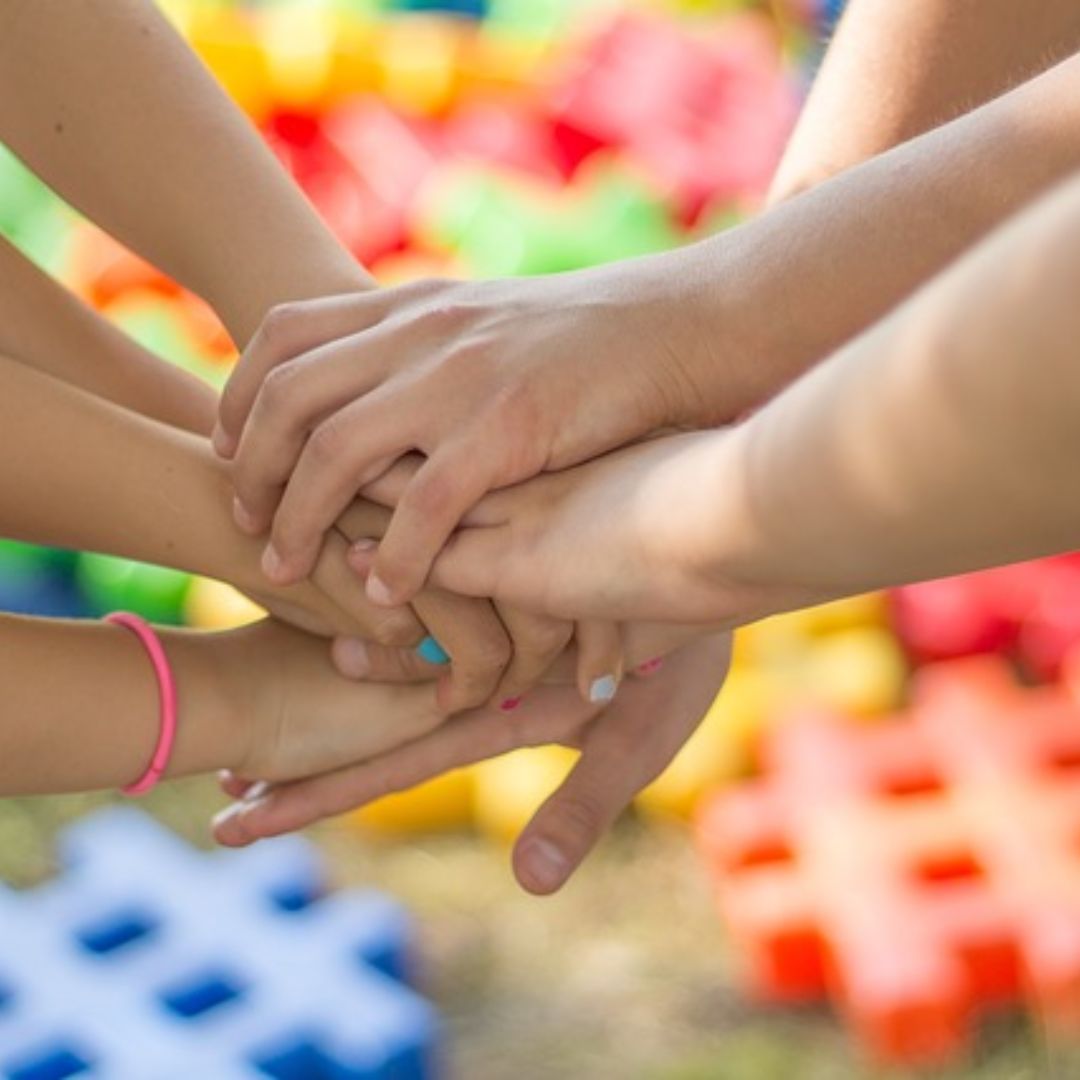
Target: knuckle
x=546, y=642
x=491, y=654
x=396, y=632
x=279, y=326
x=279, y=392
x=327, y=443
x=579, y=815
x=433, y=495
x=444, y=317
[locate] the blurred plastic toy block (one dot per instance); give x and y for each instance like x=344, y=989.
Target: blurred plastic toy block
x=38, y=581
x=707, y=115
x=472, y=9
x=918, y=872
x=148, y=960
x=1030, y=610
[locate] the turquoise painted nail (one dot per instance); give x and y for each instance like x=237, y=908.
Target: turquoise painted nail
x=431, y=651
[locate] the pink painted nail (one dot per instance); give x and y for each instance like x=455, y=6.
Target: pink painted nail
x=510, y=704
x=650, y=667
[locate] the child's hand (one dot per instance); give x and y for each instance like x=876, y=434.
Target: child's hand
x=633, y=536
x=300, y=716
x=493, y=381
x=623, y=748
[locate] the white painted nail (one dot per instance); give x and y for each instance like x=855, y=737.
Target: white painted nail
x=603, y=689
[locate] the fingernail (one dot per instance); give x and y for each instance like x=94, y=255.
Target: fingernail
x=244, y=517
x=221, y=441
x=255, y=794
x=353, y=658
x=378, y=591
x=510, y=704
x=650, y=667
x=431, y=651
x=545, y=864
x=222, y=817
x=363, y=546
x=603, y=689
x=272, y=563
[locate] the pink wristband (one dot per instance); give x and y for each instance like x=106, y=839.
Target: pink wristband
x=166, y=696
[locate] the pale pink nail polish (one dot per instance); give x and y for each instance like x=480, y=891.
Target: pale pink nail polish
x=379, y=592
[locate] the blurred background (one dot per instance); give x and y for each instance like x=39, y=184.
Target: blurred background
x=758, y=913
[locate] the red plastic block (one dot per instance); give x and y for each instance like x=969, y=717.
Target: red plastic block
x=1030, y=610
x=706, y=114
x=919, y=872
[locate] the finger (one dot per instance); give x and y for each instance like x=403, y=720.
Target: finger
x=625, y=748
x=293, y=398
x=444, y=488
x=363, y=520
x=329, y=472
x=395, y=627
x=472, y=635
x=568, y=825
x=366, y=661
x=236, y=787
x=288, y=331
x=600, y=660
x=537, y=642
x=549, y=716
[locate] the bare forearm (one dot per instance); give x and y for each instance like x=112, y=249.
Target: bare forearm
x=81, y=711
x=780, y=293
x=129, y=127
x=43, y=325
x=944, y=440
x=894, y=71
x=99, y=477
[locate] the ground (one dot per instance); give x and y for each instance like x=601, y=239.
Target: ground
x=625, y=975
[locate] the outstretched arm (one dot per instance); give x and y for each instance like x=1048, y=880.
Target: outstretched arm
x=45, y=326
x=477, y=374
x=125, y=104
x=894, y=71
x=943, y=440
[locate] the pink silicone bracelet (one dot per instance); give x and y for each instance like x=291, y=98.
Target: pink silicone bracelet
x=166, y=695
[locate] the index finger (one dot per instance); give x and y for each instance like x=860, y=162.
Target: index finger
x=286, y=332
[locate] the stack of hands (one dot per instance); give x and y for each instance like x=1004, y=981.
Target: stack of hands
x=367, y=430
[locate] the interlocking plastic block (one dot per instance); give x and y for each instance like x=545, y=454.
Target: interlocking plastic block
x=1031, y=610
x=919, y=872
x=147, y=960
x=707, y=114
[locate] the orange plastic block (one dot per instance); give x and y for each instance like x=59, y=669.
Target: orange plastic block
x=918, y=872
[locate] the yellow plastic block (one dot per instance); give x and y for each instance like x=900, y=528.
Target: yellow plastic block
x=720, y=750
x=861, y=671
x=418, y=62
x=212, y=605
x=510, y=789
x=440, y=805
x=299, y=45
x=354, y=62
x=228, y=43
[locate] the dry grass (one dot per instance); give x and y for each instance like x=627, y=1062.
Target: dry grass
x=625, y=975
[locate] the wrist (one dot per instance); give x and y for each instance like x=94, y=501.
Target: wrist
x=715, y=325
x=213, y=720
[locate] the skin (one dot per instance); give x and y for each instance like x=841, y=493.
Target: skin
x=477, y=375
x=263, y=699
x=936, y=443
x=127, y=102
x=894, y=71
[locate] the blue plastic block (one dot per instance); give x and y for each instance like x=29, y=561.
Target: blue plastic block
x=471, y=9
x=148, y=960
